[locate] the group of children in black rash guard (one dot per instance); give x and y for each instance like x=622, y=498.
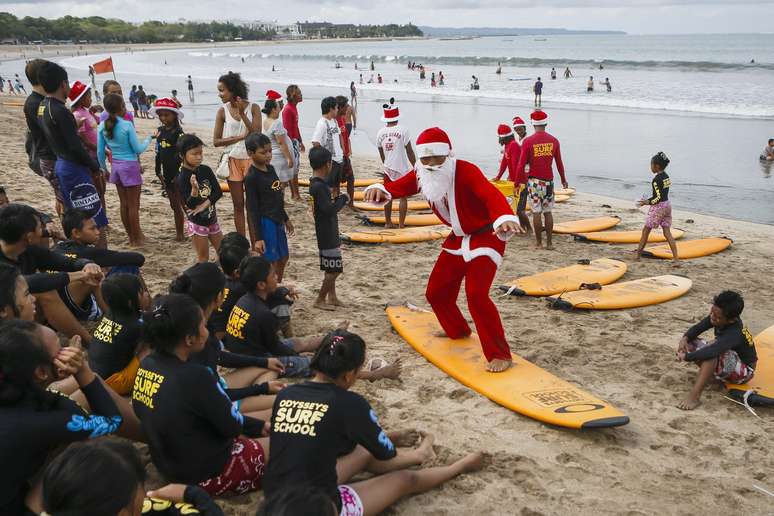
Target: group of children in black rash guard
x=152, y=371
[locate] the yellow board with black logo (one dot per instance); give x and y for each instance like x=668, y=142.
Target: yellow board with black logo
x=626, y=294
x=412, y=206
x=761, y=387
x=396, y=236
x=603, y=271
x=525, y=388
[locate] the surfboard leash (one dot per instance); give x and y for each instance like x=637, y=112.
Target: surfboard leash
x=745, y=402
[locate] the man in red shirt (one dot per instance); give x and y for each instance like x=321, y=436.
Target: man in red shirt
x=510, y=161
x=290, y=122
x=539, y=151
x=346, y=166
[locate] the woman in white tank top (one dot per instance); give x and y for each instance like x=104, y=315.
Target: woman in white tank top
x=237, y=118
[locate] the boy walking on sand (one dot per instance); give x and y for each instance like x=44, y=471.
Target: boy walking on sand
x=326, y=226
x=394, y=144
x=731, y=357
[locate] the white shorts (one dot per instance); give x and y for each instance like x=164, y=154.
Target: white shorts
x=350, y=502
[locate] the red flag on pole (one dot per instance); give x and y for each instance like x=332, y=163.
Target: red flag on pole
x=104, y=66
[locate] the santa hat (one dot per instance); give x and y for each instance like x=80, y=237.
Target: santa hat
x=504, y=131
x=166, y=104
x=518, y=122
x=391, y=112
x=77, y=90
x=433, y=142
x=274, y=95
x=539, y=118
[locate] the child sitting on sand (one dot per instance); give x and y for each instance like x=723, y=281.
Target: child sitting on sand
x=731, y=357
x=199, y=190
x=82, y=234
x=115, y=350
x=326, y=226
x=266, y=204
x=167, y=158
x=323, y=435
x=16, y=302
x=660, y=211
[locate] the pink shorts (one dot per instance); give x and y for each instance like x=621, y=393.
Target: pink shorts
x=659, y=215
x=351, y=505
x=125, y=173
x=203, y=231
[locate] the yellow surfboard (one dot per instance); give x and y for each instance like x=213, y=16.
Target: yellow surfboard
x=628, y=294
x=689, y=248
x=506, y=187
x=762, y=383
x=560, y=198
x=603, y=271
x=358, y=182
x=224, y=187
x=412, y=206
x=419, y=219
x=396, y=236
x=525, y=388
x=586, y=225
x=565, y=191
x=625, y=237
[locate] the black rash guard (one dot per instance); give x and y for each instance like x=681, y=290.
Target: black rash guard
x=167, y=158
x=264, y=197
x=114, y=343
x=58, y=124
x=660, y=188
x=102, y=257
x=209, y=188
x=32, y=428
x=314, y=424
x=35, y=260
x=232, y=292
x=31, y=106
x=252, y=328
x=326, y=220
x=734, y=337
x=190, y=422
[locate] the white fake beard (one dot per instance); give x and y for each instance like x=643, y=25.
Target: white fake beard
x=436, y=182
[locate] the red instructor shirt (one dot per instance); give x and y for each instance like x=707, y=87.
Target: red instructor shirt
x=290, y=121
x=510, y=160
x=540, y=150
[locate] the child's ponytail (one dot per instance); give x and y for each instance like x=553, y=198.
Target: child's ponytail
x=339, y=353
x=112, y=104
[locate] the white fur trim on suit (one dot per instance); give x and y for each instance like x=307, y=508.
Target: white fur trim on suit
x=499, y=222
x=425, y=150
x=469, y=254
x=451, y=197
x=379, y=186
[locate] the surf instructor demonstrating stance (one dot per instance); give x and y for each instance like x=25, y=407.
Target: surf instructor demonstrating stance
x=481, y=222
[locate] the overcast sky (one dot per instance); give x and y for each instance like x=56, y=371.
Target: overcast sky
x=634, y=16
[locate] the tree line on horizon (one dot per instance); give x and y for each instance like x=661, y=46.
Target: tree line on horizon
x=97, y=29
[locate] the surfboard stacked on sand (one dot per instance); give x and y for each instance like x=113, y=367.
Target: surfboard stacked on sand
x=760, y=389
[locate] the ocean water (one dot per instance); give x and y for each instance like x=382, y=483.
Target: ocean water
x=697, y=98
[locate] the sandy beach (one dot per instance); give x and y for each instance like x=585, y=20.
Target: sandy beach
x=665, y=461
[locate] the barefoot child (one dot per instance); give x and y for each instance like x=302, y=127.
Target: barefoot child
x=266, y=204
x=199, y=190
x=660, y=211
x=338, y=436
x=326, y=225
x=167, y=157
x=731, y=357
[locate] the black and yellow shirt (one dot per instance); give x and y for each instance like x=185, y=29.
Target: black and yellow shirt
x=660, y=188
x=264, y=197
x=252, y=328
x=167, y=158
x=189, y=421
x=734, y=337
x=209, y=189
x=313, y=424
x=114, y=343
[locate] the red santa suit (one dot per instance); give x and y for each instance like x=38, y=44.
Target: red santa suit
x=474, y=209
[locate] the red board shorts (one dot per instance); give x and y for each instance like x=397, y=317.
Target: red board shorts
x=730, y=367
x=243, y=472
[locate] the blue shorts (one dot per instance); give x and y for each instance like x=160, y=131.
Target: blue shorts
x=78, y=190
x=296, y=366
x=275, y=239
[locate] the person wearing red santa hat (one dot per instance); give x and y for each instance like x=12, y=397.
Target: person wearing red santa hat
x=394, y=144
x=520, y=128
x=168, y=160
x=481, y=222
x=539, y=152
x=510, y=161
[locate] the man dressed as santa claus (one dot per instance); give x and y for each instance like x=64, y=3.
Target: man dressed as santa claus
x=481, y=222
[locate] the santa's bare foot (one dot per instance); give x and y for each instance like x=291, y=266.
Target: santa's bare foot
x=425, y=448
x=343, y=326
x=322, y=305
x=498, y=365
x=470, y=463
x=689, y=403
x=389, y=371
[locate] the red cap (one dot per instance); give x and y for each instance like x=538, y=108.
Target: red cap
x=539, y=118
x=504, y=130
x=273, y=95
x=167, y=104
x=77, y=90
x=518, y=122
x=433, y=142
